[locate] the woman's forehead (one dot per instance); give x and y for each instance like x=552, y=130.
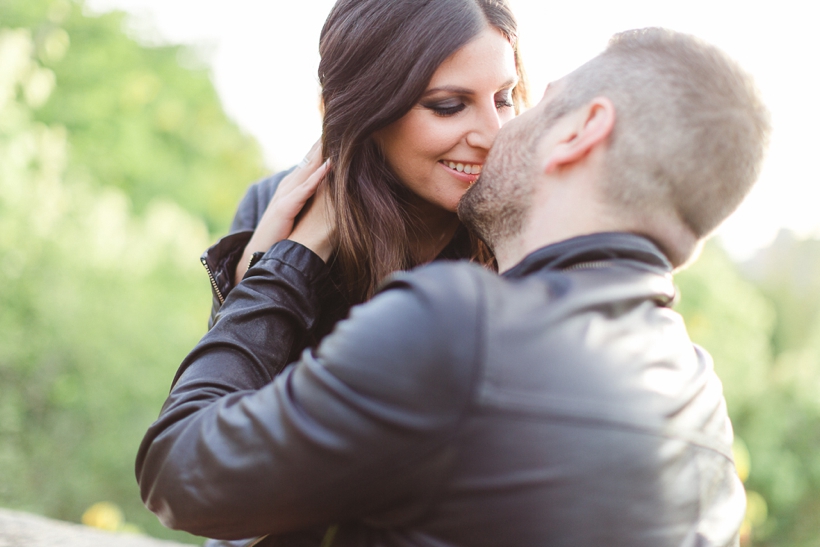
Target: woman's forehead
x=488, y=60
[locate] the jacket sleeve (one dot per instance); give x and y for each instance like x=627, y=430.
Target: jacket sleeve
x=355, y=429
x=221, y=258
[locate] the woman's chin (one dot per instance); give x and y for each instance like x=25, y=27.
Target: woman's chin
x=451, y=205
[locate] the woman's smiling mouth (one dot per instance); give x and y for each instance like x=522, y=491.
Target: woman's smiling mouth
x=466, y=168
x=465, y=172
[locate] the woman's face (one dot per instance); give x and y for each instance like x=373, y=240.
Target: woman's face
x=439, y=147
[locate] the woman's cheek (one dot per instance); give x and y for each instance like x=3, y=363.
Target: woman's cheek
x=444, y=137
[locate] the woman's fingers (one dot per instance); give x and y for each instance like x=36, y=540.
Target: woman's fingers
x=312, y=157
x=294, y=200
x=312, y=182
x=304, y=169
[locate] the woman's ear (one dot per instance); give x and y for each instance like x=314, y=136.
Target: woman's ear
x=587, y=127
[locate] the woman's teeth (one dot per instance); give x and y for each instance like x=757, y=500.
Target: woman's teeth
x=467, y=168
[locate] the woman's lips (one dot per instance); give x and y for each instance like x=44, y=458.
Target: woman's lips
x=462, y=174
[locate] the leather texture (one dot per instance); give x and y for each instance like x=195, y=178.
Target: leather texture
x=561, y=404
x=222, y=257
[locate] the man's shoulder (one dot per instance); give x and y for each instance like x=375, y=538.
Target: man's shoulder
x=414, y=340
x=449, y=282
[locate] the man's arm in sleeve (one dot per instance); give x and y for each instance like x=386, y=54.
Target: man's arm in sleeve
x=354, y=429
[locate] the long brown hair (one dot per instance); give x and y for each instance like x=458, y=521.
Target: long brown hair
x=377, y=59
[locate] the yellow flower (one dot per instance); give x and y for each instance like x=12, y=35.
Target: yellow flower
x=104, y=515
x=743, y=461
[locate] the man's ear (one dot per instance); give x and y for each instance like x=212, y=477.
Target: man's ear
x=589, y=126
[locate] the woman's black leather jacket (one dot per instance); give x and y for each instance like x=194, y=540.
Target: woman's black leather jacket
x=221, y=259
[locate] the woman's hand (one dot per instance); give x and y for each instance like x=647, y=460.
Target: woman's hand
x=287, y=202
x=316, y=226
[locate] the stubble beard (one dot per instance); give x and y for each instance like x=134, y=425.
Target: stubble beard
x=496, y=206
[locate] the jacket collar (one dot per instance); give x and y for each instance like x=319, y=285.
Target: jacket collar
x=590, y=248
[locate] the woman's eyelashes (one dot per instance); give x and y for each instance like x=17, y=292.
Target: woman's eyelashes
x=447, y=108
x=504, y=100
x=453, y=107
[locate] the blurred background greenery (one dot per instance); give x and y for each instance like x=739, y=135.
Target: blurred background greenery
x=118, y=166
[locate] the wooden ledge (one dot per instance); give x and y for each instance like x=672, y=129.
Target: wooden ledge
x=26, y=530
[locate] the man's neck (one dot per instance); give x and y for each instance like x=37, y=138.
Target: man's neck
x=570, y=210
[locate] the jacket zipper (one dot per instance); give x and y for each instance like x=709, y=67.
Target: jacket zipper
x=213, y=281
x=588, y=265
x=662, y=300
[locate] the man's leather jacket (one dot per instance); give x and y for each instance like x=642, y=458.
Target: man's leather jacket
x=560, y=404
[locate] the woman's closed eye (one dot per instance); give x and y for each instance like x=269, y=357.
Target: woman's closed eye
x=504, y=99
x=454, y=106
x=445, y=108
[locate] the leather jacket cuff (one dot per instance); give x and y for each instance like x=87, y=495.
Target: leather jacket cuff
x=298, y=257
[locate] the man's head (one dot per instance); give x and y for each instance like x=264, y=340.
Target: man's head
x=662, y=134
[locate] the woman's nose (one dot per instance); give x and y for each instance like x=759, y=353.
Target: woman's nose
x=486, y=124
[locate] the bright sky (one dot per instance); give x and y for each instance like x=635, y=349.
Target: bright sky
x=264, y=56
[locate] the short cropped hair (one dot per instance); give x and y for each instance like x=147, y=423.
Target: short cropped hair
x=691, y=129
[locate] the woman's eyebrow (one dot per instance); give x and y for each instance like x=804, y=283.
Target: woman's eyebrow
x=512, y=82
x=450, y=89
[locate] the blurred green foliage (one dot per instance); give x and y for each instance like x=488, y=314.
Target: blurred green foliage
x=771, y=388
x=138, y=121
x=117, y=161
